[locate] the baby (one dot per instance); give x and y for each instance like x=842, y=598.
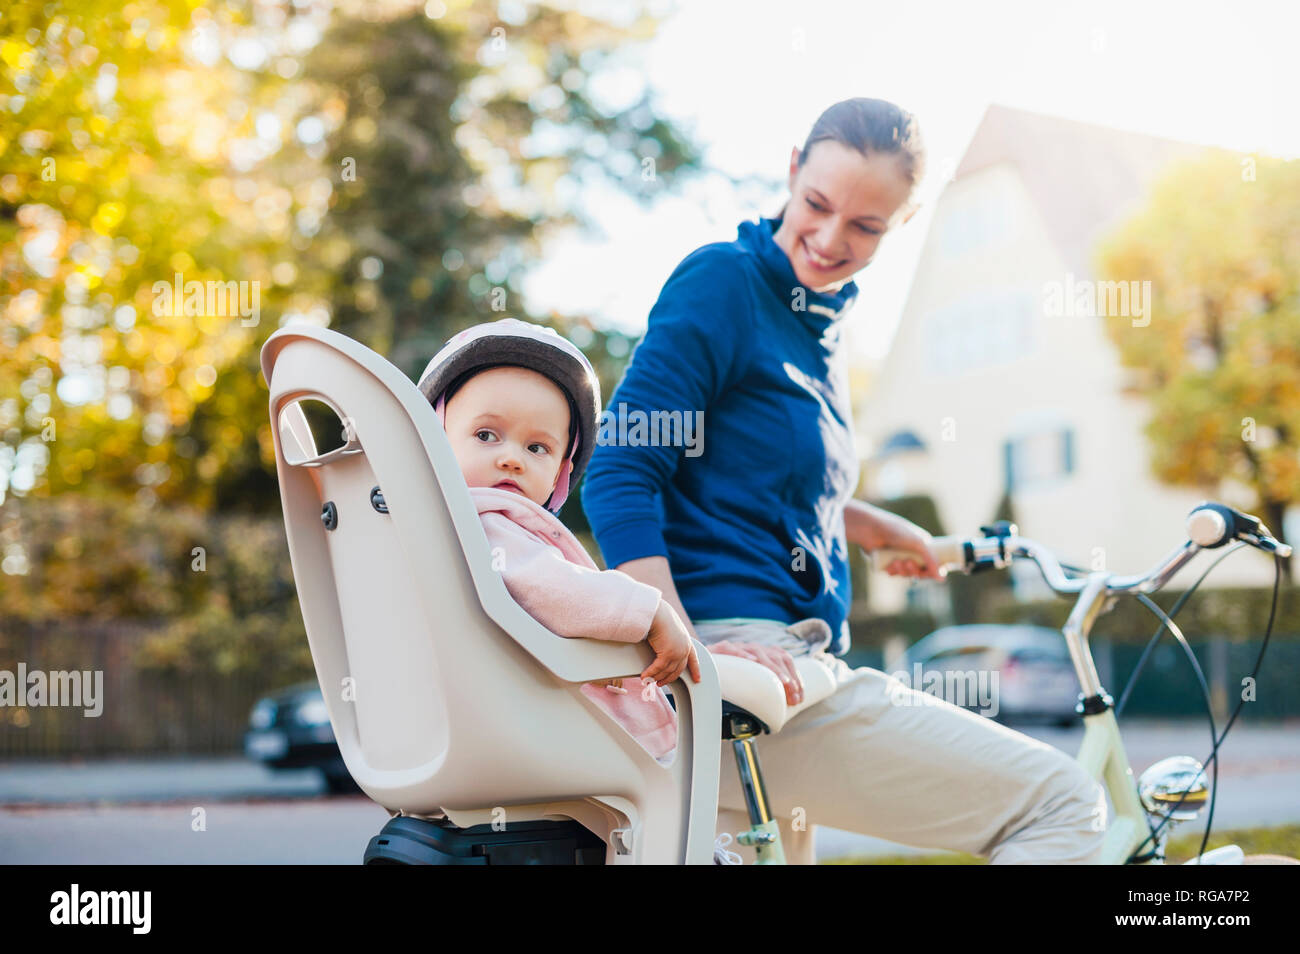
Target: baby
x=519, y=404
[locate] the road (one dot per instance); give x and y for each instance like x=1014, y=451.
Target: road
x=229, y=811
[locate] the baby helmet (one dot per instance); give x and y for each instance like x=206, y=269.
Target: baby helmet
x=510, y=341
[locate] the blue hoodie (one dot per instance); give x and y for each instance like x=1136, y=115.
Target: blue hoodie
x=751, y=516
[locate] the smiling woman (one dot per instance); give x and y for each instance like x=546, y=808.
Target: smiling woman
x=846, y=197
x=749, y=539
x=748, y=335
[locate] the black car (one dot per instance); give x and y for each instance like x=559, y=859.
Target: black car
x=291, y=729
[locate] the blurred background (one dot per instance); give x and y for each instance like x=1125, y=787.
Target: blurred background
x=398, y=171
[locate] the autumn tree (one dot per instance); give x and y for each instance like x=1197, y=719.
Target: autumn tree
x=1219, y=242
x=387, y=168
x=120, y=152
x=456, y=145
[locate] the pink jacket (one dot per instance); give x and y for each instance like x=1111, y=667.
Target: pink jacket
x=553, y=578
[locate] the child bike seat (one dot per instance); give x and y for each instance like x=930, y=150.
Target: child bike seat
x=446, y=698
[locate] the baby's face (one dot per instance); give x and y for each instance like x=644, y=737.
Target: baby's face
x=509, y=428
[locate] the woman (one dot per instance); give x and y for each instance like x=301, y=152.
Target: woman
x=747, y=535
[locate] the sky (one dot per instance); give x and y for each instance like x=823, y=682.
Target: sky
x=748, y=80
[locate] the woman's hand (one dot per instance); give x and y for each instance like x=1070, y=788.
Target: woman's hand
x=905, y=566
x=875, y=529
x=773, y=657
x=914, y=540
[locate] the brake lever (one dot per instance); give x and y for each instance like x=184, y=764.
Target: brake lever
x=1269, y=543
x=1250, y=529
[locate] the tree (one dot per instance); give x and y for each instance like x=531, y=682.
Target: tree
x=453, y=146
x=387, y=168
x=1219, y=351
x=116, y=178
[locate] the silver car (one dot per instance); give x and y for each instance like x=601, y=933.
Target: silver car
x=1010, y=672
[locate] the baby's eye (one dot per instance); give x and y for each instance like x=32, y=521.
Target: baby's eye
x=544, y=448
x=483, y=430
x=814, y=205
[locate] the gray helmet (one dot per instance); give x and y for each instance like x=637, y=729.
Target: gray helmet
x=510, y=341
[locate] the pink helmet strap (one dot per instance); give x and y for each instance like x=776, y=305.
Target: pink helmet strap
x=561, y=491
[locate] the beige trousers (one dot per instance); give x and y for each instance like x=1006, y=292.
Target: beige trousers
x=878, y=759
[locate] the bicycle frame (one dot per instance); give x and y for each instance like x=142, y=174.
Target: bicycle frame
x=1101, y=752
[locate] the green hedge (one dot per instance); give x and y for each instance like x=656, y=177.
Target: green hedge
x=186, y=638
x=1239, y=613
x=215, y=591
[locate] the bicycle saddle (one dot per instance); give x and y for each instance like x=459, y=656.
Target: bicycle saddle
x=758, y=690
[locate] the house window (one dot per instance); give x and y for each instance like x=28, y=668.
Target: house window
x=1038, y=458
x=986, y=328
x=975, y=221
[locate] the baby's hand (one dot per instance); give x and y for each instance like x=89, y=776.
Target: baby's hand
x=674, y=650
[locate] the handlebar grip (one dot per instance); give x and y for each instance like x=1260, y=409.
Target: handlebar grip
x=1210, y=525
x=949, y=552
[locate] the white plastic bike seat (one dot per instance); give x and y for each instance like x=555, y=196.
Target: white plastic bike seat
x=758, y=690
x=446, y=698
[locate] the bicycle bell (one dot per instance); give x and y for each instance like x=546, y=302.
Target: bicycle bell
x=1163, y=784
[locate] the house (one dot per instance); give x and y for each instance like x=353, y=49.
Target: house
x=997, y=380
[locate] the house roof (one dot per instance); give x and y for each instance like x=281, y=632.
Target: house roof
x=899, y=442
x=1084, y=178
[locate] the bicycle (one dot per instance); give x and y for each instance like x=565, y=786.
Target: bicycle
x=1171, y=791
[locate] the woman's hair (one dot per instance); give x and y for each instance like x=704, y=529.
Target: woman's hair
x=870, y=125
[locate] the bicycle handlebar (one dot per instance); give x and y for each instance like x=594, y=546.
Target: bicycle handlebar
x=1209, y=525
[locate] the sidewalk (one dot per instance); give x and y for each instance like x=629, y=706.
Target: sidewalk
x=1259, y=778
x=116, y=781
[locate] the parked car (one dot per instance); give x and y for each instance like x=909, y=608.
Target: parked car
x=291, y=729
x=1035, y=679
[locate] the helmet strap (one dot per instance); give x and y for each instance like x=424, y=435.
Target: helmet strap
x=561, y=491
